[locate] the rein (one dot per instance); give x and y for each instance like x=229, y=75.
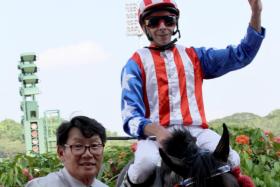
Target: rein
x=219, y=171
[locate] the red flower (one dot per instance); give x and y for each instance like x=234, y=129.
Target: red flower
x=267, y=132
x=26, y=173
x=277, y=139
x=242, y=139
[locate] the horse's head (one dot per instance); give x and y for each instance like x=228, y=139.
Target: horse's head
x=196, y=166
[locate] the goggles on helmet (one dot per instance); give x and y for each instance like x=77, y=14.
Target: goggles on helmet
x=154, y=21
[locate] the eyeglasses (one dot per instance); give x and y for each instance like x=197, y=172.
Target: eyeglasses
x=78, y=149
x=154, y=21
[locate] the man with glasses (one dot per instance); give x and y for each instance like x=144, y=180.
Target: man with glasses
x=162, y=84
x=80, y=146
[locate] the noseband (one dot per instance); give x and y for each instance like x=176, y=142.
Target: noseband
x=219, y=171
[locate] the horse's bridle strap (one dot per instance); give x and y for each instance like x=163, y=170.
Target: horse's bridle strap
x=219, y=171
x=185, y=182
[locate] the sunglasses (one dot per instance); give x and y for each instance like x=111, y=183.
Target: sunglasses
x=154, y=21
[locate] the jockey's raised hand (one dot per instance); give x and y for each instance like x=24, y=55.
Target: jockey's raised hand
x=256, y=7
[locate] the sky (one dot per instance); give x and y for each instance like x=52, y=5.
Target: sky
x=81, y=47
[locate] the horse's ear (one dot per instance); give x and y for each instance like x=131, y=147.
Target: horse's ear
x=172, y=162
x=222, y=150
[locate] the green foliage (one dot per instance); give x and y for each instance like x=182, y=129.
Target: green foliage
x=115, y=158
x=16, y=171
x=11, y=138
x=10, y=148
x=9, y=129
x=260, y=158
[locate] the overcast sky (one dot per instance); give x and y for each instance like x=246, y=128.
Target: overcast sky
x=82, y=45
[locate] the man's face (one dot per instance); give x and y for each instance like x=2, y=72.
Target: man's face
x=160, y=25
x=81, y=165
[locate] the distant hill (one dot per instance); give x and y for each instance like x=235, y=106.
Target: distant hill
x=270, y=122
x=11, y=138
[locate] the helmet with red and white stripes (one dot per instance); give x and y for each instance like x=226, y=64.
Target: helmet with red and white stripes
x=146, y=7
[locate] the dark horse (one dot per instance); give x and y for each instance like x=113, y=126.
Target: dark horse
x=184, y=164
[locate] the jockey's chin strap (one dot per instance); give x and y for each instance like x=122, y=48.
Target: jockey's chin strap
x=219, y=171
x=170, y=45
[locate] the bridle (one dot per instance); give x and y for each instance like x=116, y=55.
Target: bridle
x=219, y=171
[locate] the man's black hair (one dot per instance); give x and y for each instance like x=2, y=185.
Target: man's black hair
x=88, y=127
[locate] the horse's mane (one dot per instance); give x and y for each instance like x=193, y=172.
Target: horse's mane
x=195, y=162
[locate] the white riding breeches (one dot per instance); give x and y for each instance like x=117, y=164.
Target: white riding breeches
x=147, y=157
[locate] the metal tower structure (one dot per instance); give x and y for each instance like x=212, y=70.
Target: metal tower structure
x=34, y=130
x=51, y=120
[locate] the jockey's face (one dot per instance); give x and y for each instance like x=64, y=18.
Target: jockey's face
x=160, y=26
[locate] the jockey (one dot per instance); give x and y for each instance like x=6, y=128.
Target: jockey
x=162, y=84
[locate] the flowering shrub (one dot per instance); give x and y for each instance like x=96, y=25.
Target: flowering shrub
x=242, y=139
x=115, y=158
x=16, y=171
x=277, y=140
x=259, y=152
